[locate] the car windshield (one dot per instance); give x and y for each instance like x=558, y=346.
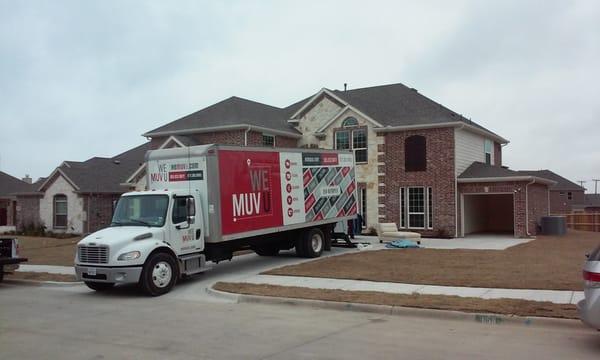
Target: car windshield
x=144, y=210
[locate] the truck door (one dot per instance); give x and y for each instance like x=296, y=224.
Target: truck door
x=186, y=232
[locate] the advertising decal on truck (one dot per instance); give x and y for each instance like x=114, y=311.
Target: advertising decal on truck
x=270, y=189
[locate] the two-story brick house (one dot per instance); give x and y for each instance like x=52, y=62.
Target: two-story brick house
x=419, y=164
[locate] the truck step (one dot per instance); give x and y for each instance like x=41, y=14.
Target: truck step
x=193, y=264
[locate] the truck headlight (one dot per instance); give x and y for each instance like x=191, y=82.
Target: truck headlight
x=132, y=255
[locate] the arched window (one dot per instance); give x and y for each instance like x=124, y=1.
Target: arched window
x=349, y=122
x=415, y=153
x=60, y=211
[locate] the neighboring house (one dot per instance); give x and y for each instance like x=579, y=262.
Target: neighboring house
x=9, y=185
x=590, y=204
x=79, y=197
x=419, y=164
x=564, y=195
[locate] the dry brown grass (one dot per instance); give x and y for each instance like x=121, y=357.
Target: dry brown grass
x=39, y=276
x=549, y=262
x=440, y=302
x=48, y=251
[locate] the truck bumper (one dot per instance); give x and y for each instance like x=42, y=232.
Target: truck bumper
x=117, y=275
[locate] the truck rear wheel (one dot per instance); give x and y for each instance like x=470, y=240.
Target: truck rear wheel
x=312, y=244
x=98, y=286
x=159, y=274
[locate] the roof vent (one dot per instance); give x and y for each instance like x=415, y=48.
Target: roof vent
x=415, y=90
x=117, y=162
x=27, y=179
x=345, y=86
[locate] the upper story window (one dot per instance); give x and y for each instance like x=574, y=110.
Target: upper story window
x=415, y=153
x=268, y=140
x=487, y=149
x=570, y=195
x=60, y=211
x=349, y=122
x=354, y=139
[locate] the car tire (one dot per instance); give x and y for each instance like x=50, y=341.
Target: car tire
x=159, y=274
x=99, y=286
x=314, y=242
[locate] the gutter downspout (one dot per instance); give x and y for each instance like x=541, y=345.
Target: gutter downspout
x=456, y=232
x=246, y=135
x=527, y=207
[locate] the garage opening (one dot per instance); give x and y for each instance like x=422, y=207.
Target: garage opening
x=488, y=213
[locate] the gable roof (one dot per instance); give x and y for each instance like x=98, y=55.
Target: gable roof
x=562, y=183
x=591, y=200
x=100, y=174
x=481, y=172
x=10, y=185
x=232, y=113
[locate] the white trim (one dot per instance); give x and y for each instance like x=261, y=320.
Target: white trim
x=129, y=180
x=471, y=128
x=174, y=139
x=507, y=178
x=223, y=128
x=71, y=182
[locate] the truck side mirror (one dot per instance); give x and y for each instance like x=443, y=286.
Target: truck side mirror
x=191, y=210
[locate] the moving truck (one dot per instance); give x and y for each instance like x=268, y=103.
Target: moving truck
x=205, y=202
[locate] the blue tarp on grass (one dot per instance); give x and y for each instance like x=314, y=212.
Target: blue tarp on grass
x=402, y=244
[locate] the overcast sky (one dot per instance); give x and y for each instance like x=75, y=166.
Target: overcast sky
x=87, y=78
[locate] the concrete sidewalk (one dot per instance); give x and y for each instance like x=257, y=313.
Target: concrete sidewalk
x=555, y=296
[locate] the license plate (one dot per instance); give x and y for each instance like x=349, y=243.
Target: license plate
x=91, y=271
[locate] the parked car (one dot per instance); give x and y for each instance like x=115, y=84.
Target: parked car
x=589, y=308
x=9, y=256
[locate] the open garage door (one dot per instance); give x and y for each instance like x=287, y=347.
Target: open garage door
x=488, y=213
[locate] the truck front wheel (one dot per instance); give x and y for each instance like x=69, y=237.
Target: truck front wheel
x=159, y=274
x=313, y=242
x=98, y=286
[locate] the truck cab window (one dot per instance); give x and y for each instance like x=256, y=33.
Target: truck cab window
x=180, y=212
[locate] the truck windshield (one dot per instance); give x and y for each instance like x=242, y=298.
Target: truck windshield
x=144, y=210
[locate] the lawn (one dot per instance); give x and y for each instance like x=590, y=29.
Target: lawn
x=548, y=262
x=48, y=251
x=440, y=302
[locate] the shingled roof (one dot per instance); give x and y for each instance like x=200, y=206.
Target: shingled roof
x=481, y=172
x=100, y=174
x=562, y=184
x=233, y=112
x=391, y=106
x=10, y=185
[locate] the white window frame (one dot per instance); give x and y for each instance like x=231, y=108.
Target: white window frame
x=268, y=136
x=350, y=131
x=427, y=208
x=489, y=142
x=55, y=213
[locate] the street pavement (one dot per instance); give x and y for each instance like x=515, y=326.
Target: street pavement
x=71, y=322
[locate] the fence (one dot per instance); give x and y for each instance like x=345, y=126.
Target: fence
x=583, y=221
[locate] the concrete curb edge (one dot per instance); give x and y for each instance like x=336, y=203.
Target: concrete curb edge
x=44, y=283
x=484, y=318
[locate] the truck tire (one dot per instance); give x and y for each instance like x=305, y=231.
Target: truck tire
x=1, y=273
x=267, y=250
x=98, y=286
x=313, y=243
x=159, y=274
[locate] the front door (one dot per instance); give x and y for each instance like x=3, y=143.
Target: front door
x=186, y=231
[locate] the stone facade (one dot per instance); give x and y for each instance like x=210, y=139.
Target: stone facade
x=76, y=213
x=439, y=176
x=28, y=211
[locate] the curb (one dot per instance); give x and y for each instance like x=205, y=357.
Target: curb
x=483, y=318
x=44, y=283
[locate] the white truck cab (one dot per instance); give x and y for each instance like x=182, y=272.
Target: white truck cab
x=145, y=225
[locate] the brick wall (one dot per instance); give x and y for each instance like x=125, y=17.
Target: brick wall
x=560, y=204
x=28, y=211
x=234, y=137
x=100, y=211
x=439, y=176
x=538, y=205
x=497, y=154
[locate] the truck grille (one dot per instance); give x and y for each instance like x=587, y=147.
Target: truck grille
x=93, y=254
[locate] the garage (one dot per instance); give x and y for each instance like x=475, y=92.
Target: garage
x=488, y=213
